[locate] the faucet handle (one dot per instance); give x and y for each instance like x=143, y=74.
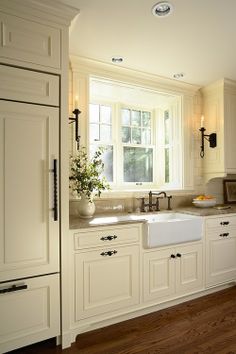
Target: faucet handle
x=169, y=197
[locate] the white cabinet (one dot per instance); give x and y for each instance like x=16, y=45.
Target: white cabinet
x=29, y=311
x=29, y=42
x=220, y=250
x=171, y=272
x=219, y=108
x=28, y=86
x=29, y=235
x=106, y=273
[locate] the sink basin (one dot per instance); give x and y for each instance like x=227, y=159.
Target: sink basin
x=170, y=228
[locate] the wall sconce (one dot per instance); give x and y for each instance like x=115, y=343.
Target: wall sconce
x=75, y=120
x=209, y=137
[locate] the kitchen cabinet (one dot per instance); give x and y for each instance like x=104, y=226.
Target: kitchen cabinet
x=220, y=250
x=29, y=233
x=219, y=109
x=172, y=272
x=106, y=266
x=29, y=42
x=29, y=311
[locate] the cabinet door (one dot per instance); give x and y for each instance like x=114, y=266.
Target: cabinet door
x=29, y=236
x=106, y=283
x=30, y=42
x=30, y=313
x=158, y=275
x=189, y=269
x=221, y=257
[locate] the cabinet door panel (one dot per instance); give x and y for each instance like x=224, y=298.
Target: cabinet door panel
x=106, y=283
x=28, y=86
x=29, y=41
x=220, y=260
x=29, y=236
x=159, y=274
x=189, y=269
x=31, y=314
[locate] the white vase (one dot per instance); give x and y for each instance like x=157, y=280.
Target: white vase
x=86, y=207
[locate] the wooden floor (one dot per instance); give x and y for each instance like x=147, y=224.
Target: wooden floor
x=206, y=325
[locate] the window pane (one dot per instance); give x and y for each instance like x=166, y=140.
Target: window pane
x=136, y=118
x=105, y=114
x=146, y=119
x=107, y=158
x=108, y=163
x=136, y=136
x=125, y=116
x=126, y=134
x=105, y=133
x=94, y=132
x=167, y=165
x=167, y=127
x=146, y=136
x=94, y=113
x=138, y=164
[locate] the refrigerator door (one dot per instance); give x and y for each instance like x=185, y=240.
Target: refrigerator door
x=29, y=311
x=29, y=226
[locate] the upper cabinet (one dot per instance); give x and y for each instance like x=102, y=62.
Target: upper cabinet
x=219, y=109
x=29, y=42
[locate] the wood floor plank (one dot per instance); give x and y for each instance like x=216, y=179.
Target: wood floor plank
x=202, y=326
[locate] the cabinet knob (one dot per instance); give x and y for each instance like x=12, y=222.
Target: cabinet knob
x=172, y=256
x=108, y=238
x=224, y=223
x=178, y=255
x=108, y=253
x=225, y=234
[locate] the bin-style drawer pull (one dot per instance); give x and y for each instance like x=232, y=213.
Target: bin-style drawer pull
x=224, y=223
x=108, y=253
x=12, y=288
x=108, y=238
x=225, y=234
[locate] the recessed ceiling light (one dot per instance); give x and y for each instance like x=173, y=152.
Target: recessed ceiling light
x=117, y=60
x=178, y=75
x=162, y=9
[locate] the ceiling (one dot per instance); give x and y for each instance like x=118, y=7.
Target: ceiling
x=197, y=39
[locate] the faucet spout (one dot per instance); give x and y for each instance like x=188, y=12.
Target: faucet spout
x=159, y=193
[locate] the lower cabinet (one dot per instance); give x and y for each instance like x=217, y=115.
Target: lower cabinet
x=220, y=251
x=171, y=272
x=30, y=313
x=106, y=280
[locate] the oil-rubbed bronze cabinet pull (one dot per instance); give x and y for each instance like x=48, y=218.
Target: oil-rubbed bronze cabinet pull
x=179, y=255
x=108, y=253
x=55, y=209
x=225, y=234
x=172, y=256
x=108, y=238
x=12, y=288
x=224, y=223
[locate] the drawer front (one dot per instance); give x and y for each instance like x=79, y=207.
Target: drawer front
x=30, y=42
x=223, y=222
x=106, y=236
x=30, y=313
x=28, y=86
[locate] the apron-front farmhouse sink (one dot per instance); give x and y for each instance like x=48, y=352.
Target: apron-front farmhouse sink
x=169, y=228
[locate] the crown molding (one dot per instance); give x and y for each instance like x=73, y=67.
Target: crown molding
x=110, y=71
x=47, y=10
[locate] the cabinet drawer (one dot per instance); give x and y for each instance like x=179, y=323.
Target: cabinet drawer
x=106, y=236
x=30, y=313
x=29, y=42
x=221, y=222
x=28, y=86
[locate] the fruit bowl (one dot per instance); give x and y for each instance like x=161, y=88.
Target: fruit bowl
x=206, y=203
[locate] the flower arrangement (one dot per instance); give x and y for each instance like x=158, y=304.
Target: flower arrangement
x=86, y=174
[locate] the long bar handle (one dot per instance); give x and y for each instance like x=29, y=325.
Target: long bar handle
x=13, y=288
x=55, y=208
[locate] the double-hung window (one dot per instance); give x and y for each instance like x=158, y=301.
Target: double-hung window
x=141, y=138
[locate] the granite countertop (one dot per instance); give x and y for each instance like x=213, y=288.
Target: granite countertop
x=124, y=218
